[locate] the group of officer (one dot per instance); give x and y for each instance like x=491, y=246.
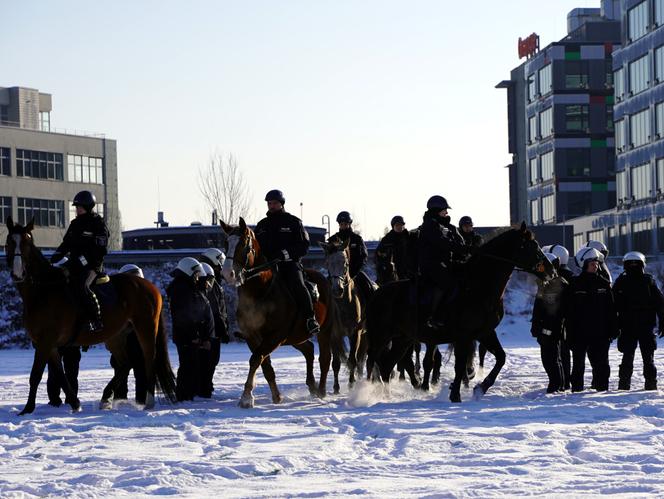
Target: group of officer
x=578, y=316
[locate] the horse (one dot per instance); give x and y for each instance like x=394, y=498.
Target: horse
x=352, y=309
x=52, y=317
x=268, y=316
x=394, y=314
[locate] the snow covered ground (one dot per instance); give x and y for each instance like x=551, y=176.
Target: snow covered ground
x=515, y=441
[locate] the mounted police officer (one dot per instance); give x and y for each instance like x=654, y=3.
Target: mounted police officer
x=467, y=230
x=283, y=237
x=392, y=251
x=439, y=243
x=85, y=244
x=591, y=321
x=193, y=324
x=639, y=301
x=358, y=250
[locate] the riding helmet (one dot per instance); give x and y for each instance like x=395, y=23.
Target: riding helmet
x=131, y=269
x=561, y=252
x=190, y=266
x=585, y=255
x=438, y=203
x=465, y=220
x=634, y=257
x=216, y=256
x=85, y=199
x=344, y=217
x=397, y=220
x=275, y=195
x=599, y=246
x=208, y=272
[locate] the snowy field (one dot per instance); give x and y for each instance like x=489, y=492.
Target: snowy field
x=515, y=441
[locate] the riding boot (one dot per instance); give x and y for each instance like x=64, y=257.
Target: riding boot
x=436, y=319
x=651, y=384
x=94, y=312
x=313, y=328
x=625, y=374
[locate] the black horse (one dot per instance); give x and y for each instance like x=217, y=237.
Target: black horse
x=395, y=314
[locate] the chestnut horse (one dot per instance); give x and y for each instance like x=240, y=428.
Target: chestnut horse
x=52, y=318
x=268, y=316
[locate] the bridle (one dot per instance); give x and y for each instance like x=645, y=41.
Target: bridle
x=537, y=268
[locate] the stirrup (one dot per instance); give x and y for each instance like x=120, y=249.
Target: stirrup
x=313, y=328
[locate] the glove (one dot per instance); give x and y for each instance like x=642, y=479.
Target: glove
x=285, y=255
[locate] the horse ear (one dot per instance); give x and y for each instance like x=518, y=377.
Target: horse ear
x=243, y=225
x=523, y=227
x=31, y=226
x=10, y=223
x=225, y=227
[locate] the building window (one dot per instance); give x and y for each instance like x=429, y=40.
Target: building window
x=45, y=212
x=45, y=121
x=579, y=241
x=577, y=162
x=609, y=72
x=534, y=212
x=609, y=117
x=641, y=236
x=639, y=124
x=532, y=87
x=546, y=122
x=639, y=75
x=576, y=74
x=641, y=182
x=613, y=241
x=660, y=233
x=532, y=128
x=660, y=176
x=621, y=141
x=619, y=82
x=545, y=79
x=659, y=64
x=549, y=208
x=533, y=171
x=638, y=21
x=39, y=164
x=621, y=186
x=659, y=12
x=5, y=208
x=596, y=235
x=547, y=166
x=659, y=120
x=579, y=204
x=85, y=169
x=576, y=118
x=5, y=164
x=4, y=115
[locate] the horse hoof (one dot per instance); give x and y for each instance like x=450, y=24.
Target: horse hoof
x=424, y=388
x=246, y=402
x=26, y=410
x=277, y=400
x=478, y=392
x=105, y=405
x=74, y=410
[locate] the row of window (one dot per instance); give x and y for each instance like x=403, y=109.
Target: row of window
x=577, y=119
x=577, y=162
x=639, y=74
x=46, y=212
x=639, y=128
x=642, y=185
x=641, y=235
x=638, y=18
x=548, y=213
x=49, y=165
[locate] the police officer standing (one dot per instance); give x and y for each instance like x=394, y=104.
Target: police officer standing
x=85, y=243
x=591, y=321
x=283, y=237
x=193, y=324
x=392, y=252
x=639, y=301
x=603, y=267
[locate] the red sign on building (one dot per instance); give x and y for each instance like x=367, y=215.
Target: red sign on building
x=529, y=46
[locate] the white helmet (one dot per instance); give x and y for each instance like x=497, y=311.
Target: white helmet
x=546, y=249
x=635, y=256
x=216, y=256
x=598, y=245
x=190, y=266
x=552, y=258
x=207, y=270
x=585, y=255
x=561, y=252
x=132, y=269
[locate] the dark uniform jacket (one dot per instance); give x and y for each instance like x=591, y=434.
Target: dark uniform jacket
x=638, y=301
x=548, y=310
x=394, y=248
x=282, y=231
x=215, y=296
x=565, y=272
x=85, y=242
x=590, y=312
x=472, y=239
x=439, y=241
x=190, y=310
x=358, y=250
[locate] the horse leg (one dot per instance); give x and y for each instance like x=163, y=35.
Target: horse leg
x=492, y=344
x=470, y=365
x=461, y=350
x=119, y=375
x=336, y=367
x=271, y=378
x=418, y=349
x=71, y=398
x=428, y=365
x=307, y=349
x=482, y=353
x=353, y=356
x=247, y=398
x=409, y=367
x=324, y=360
x=390, y=358
x=437, y=365
x=401, y=364
x=36, y=373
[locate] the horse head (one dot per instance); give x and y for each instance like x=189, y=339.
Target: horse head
x=241, y=252
x=529, y=257
x=337, y=257
x=18, y=247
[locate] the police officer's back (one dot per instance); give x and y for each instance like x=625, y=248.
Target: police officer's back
x=282, y=237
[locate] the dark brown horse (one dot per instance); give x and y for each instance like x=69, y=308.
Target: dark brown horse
x=352, y=306
x=397, y=315
x=268, y=316
x=52, y=317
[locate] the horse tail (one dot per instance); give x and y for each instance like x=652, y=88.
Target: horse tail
x=165, y=378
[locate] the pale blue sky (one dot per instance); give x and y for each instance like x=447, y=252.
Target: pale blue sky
x=369, y=106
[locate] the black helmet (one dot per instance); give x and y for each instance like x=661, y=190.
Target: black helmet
x=344, y=217
x=397, y=220
x=85, y=199
x=465, y=220
x=437, y=203
x=275, y=195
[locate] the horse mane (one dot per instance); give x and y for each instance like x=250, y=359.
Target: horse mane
x=499, y=231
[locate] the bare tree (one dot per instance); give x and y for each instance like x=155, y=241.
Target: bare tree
x=224, y=188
